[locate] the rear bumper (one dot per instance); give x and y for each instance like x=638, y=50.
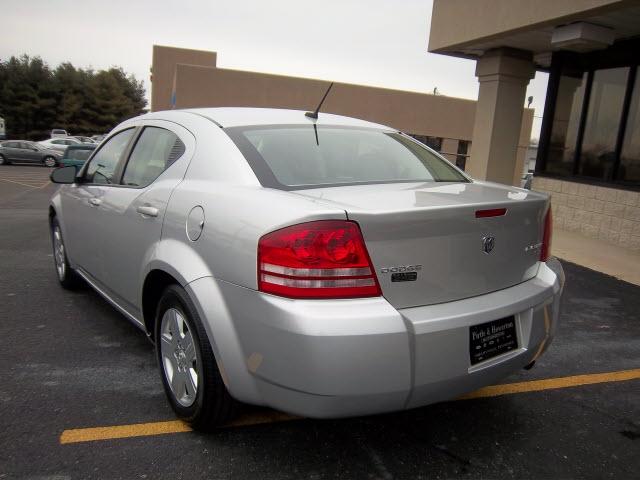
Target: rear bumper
x=334, y=358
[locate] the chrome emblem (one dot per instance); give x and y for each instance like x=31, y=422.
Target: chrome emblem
x=401, y=269
x=488, y=242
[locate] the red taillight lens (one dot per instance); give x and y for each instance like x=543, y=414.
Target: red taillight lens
x=322, y=259
x=545, y=250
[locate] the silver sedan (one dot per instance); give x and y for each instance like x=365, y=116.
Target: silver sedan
x=325, y=267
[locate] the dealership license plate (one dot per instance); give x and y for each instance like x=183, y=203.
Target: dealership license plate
x=491, y=339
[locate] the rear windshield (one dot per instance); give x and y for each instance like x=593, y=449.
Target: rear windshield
x=78, y=153
x=291, y=157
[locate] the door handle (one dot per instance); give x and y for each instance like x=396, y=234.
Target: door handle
x=95, y=201
x=147, y=210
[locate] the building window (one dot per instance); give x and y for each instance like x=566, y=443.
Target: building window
x=598, y=153
x=461, y=157
x=591, y=125
x=629, y=170
x=432, y=142
x=566, y=121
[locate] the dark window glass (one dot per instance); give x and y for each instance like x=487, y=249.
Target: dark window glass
x=463, y=150
x=342, y=156
x=431, y=142
x=629, y=169
x=566, y=122
x=597, y=157
x=152, y=154
x=103, y=164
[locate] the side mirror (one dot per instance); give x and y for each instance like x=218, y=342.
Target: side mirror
x=64, y=175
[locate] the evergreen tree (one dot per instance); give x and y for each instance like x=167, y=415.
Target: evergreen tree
x=34, y=99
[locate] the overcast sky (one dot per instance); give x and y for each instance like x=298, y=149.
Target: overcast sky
x=373, y=42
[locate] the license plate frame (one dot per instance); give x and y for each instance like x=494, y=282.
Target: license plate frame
x=491, y=339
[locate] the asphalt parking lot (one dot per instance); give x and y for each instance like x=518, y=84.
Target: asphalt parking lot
x=70, y=363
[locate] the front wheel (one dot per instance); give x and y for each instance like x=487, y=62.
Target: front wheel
x=66, y=275
x=189, y=371
x=3, y=160
x=49, y=162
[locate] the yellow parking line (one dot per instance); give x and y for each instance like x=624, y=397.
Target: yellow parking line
x=79, y=435
x=123, y=431
x=553, y=383
x=160, y=428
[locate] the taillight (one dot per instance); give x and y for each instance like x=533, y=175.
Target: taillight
x=321, y=259
x=545, y=250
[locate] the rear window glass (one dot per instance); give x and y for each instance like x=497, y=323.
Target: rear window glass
x=293, y=157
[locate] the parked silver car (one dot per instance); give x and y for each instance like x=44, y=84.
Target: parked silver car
x=59, y=144
x=328, y=267
x=22, y=151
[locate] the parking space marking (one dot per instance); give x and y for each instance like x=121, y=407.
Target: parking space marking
x=80, y=435
x=19, y=183
x=553, y=383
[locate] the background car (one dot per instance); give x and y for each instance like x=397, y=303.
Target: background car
x=82, y=139
x=76, y=155
x=98, y=138
x=59, y=133
x=527, y=180
x=21, y=151
x=60, y=144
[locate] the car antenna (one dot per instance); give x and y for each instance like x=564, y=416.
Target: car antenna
x=314, y=114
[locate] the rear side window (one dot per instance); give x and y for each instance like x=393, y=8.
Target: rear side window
x=103, y=165
x=155, y=150
x=291, y=157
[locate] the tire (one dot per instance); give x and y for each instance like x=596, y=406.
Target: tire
x=49, y=162
x=4, y=161
x=204, y=403
x=67, y=277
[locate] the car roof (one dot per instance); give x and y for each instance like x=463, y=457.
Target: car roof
x=244, y=116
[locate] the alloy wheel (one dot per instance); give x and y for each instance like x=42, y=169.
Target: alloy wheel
x=180, y=362
x=49, y=162
x=58, y=253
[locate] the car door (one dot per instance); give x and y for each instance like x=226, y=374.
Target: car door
x=12, y=150
x=81, y=203
x=29, y=153
x=133, y=213
x=60, y=145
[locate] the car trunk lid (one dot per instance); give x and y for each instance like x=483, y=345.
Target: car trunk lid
x=428, y=245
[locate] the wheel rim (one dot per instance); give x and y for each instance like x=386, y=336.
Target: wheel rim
x=58, y=253
x=49, y=162
x=180, y=362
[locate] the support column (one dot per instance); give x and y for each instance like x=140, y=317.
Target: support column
x=503, y=75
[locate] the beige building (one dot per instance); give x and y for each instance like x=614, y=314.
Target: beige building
x=589, y=151
x=189, y=78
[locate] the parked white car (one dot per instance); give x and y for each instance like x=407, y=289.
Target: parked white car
x=85, y=140
x=60, y=144
x=58, y=133
x=325, y=267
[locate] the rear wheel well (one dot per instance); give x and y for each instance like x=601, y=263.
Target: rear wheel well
x=154, y=286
